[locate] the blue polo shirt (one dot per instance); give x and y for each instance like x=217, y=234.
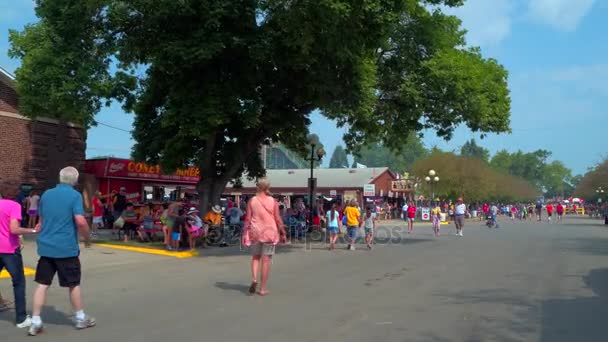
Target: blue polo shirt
x=58, y=237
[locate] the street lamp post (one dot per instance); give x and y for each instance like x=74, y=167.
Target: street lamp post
x=316, y=154
x=432, y=178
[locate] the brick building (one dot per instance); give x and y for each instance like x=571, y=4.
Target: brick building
x=33, y=151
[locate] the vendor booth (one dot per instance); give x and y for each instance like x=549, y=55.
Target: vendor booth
x=142, y=182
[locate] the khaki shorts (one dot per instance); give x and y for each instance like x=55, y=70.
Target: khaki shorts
x=260, y=248
x=460, y=221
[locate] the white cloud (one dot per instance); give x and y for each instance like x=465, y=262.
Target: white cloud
x=592, y=79
x=560, y=14
x=488, y=21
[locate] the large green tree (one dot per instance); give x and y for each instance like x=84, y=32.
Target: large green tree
x=398, y=159
x=471, y=178
x=472, y=150
x=595, y=179
x=339, y=159
x=210, y=81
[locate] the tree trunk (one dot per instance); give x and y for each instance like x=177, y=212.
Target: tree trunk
x=210, y=190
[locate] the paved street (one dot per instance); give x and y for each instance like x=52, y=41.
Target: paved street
x=523, y=282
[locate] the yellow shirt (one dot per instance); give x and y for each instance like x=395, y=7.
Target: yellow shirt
x=352, y=216
x=435, y=211
x=213, y=218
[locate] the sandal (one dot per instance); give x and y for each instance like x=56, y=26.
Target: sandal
x=252, y=287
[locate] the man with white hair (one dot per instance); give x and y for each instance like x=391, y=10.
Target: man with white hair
x=61, y=219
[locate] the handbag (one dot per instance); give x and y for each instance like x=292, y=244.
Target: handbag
x=119, y=223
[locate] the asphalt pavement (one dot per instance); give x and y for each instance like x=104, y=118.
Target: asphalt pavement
x=522, y=282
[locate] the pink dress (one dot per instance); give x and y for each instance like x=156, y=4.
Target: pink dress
x=261, y=225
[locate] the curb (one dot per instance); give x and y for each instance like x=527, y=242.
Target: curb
x=27, y=271
x=179, y=255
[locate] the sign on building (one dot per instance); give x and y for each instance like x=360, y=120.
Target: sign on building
x=369, y=190
x=426, y=214
x=333, y=193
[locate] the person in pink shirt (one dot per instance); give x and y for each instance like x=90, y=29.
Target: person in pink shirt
x=10, y=255
x=262, y=232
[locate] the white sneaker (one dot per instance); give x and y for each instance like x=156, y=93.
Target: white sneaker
x=26, y=323
x=352, y=247
x=460, y=234
x=35, y=329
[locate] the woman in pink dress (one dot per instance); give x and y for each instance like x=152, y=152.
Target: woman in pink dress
x=262, y=232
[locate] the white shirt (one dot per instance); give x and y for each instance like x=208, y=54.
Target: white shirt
x=461, y=209
x=33, y=201
x=404, y=209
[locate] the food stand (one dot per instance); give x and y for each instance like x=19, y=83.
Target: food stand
x=142, y=182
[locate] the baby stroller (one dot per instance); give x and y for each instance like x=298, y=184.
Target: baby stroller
x=490, y=221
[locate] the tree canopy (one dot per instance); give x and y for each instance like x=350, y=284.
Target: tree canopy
x=553, y=179
x=470, y=149
x=596, y=177
x=339, y=159
x=471, y=178
x=399, y=160
x=209, y=81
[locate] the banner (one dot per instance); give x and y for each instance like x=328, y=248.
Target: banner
x=369, y=190
x=124, y=168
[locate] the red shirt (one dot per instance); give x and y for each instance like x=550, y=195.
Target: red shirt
x=549, y=208
x=560, y=209
x=486, y=208
x=97, y=210
x=411, y=212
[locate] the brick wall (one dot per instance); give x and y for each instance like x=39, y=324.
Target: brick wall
x=8, y=97
x=33, y=152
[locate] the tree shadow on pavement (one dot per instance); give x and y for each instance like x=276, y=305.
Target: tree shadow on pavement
x=592, y=246
x=498, y=314
x=579, y=319
x=50, y=315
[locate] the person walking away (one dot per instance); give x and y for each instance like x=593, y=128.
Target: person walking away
x=436, y=217
x=549, y=211
x=353, y=223
x=494, y=211
x=411, y=217
x=97, y=213
x=61, y=220
x=560, y=212
x=11, y=259
x=369, y=225
x=32, y=208
x=119, y=203
x=486, y=211
x=539, y=211
x=513, y=213
x=404, y=212
x=263, y=231
x=333, y=225
x=460, y=210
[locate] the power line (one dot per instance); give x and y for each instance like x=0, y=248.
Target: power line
x=113, y=127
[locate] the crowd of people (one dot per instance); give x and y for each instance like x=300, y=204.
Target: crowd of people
x=59, y=220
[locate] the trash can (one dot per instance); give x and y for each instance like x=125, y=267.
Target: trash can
x=473, y=213
x=443, y=217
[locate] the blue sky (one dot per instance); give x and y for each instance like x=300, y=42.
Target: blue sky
x=556, y=52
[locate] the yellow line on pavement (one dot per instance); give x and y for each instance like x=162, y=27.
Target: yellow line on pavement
x=179, y=255
x=27, y=271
